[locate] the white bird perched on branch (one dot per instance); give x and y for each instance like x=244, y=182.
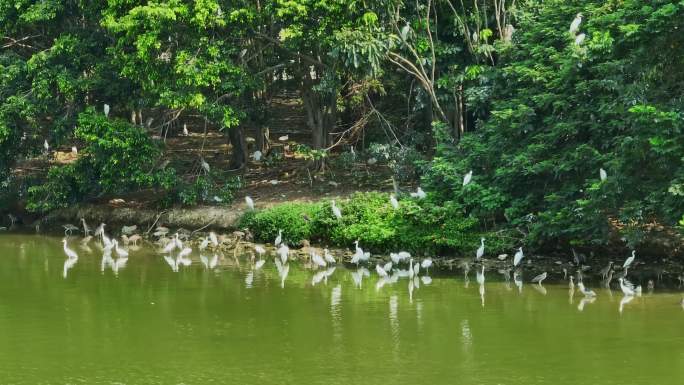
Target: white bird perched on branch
x=602, y=174
x=185, y=129
x=394, y=202
x=480, y=250
x=250, y=202
x=518, y=257
x=467, y=177
x=574, y=26
x=420, y=194
x=628, y=261
x=257, y=156
x=336, y=210
x=106, y=110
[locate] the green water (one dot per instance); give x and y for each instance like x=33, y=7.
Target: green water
x=149, y=325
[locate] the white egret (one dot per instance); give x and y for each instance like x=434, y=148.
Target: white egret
x=317, y=260
x=426, y=263
x=602, y=174
x=467, y=177
x=394, y=202
x=628, y=288
x=46, y=146
x=574, y=26
x=106, y=110
x=204, y=244
x=381, y=272
x=99, y=231
x=257, y=156
x=170, y=246
x=250, y=202
x=213, y=238
x=359, y=255
x=540, y=278
x=585, y=291
x=185, y=252
x=387, y=267
x=328, y=257
x=74, y=150
x=580, y=39
x=630, y=260
x=518, y=257
x=480, y=250
x=336, y=210
x=284, y=138
x=283, y=251
x=279, y=238
x=404, y=255
x=119, y=251
x=420, y=194
x=395, y=258
x=185, y=129
x=70, y=253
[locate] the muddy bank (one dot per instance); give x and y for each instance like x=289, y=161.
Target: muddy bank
x=207, y=217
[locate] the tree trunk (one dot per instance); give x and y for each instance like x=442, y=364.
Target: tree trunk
x=236, y=137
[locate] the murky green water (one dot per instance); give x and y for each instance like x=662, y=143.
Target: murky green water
x=149, y=325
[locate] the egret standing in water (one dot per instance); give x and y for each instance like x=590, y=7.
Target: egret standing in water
x=426, y=263
x=574, y=26
x=70, y=253
x=467, y=178
x=336, y=210
x=518, y=257
x=249, y=202
x=480, y=250
x=540, y=278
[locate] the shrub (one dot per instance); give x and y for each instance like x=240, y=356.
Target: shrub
x=418, y=226
x=117, y=157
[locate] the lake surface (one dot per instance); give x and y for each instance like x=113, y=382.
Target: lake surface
x=146, y=324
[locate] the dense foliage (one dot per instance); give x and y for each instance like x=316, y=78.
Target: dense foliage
x=432, y=90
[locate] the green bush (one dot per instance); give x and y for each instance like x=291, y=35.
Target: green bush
x=117, y=157
x=417, y=226
x=210, y=189
x=296, y=220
